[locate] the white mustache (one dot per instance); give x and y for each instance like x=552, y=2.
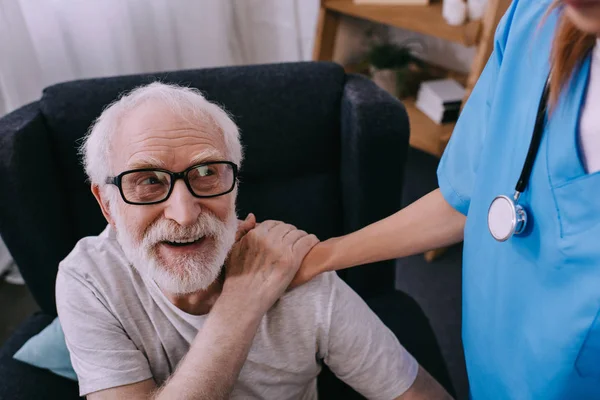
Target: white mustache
x=165, y=230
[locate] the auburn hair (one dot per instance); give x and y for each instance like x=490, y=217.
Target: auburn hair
x=569, y=49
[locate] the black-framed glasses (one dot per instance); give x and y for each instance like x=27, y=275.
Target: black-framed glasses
x=152, y=185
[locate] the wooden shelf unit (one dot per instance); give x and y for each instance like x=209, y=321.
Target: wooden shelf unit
x=425, y=134
x=423, y=19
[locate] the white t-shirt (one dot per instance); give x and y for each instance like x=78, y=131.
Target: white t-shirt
x=589, y=125
x=121, y=329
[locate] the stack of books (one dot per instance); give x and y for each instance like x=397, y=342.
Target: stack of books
x=440, y=100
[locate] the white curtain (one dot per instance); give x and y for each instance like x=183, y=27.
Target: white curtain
x=43, y=42
x=48, y=41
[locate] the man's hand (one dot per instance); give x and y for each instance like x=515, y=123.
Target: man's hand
x=264, y=261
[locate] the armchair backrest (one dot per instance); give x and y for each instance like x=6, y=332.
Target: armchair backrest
x=301, y=131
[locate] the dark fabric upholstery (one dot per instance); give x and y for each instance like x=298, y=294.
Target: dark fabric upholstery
x=20, y=381
x=371, y=121
x=33, y=217
x=324, y=151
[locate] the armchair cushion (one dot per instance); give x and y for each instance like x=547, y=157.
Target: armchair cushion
x=48, y=350
x=21, y=381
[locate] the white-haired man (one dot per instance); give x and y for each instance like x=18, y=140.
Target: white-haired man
x=147, y=307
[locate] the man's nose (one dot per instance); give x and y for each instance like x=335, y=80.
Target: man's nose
x=182, y=206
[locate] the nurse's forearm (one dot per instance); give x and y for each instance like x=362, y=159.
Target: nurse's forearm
x=427, y=224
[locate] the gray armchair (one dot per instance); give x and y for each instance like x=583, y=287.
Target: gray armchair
x=325, y=151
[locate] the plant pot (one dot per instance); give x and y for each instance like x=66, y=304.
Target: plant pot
x=386, y=79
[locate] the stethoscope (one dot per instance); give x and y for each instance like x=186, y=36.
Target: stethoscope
x=506, y=217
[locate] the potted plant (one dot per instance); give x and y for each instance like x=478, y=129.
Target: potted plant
x=391, y=67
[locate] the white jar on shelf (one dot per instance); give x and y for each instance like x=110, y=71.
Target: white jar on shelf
x=454, y=12
x=476, y=8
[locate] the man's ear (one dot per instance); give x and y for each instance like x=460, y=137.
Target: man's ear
x=103, y=202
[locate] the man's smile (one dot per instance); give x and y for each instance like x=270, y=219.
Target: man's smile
x=183, y=246
x=183, y=242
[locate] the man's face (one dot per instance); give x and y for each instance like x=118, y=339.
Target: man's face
x=182, y=242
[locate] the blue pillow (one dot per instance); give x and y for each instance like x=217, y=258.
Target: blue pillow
x=48, y=350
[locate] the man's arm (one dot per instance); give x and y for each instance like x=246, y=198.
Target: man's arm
x=212, y=364
x=423, y=388
x=259, y=269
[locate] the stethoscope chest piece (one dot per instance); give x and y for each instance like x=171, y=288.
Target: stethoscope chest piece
x=505, y=218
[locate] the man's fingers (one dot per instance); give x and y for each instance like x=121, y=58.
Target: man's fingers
x=293, y=236
x=304, y=244
x=266, y=226
x=245, y=226
x=282, y=230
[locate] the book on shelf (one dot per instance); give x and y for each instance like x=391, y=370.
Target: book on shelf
x=393, y=2
x=440, y=100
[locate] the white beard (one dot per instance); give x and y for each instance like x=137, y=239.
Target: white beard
x=185, y=274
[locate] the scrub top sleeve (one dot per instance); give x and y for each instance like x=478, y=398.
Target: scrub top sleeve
x=459, y=164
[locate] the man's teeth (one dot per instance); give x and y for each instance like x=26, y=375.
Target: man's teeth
x=183, y=241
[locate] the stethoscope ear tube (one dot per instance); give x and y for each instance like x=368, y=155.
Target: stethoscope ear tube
x=536, y=140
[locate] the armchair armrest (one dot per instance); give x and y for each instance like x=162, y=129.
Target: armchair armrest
x=32, y=196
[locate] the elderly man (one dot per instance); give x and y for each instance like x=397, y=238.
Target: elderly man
x=166, y=304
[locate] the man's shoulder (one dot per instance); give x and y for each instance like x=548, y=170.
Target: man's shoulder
x=94, y=256
x=315, y=290
x=98, y=266
x=303, y=313
x=312, y=300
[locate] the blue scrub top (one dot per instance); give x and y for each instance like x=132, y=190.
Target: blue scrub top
x=531, y=305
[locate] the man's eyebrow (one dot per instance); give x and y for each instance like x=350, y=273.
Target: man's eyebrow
x=146, y=162
x=153, y=162
x=205, y=156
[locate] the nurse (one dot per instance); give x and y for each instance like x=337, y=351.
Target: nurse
x=531, y=309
